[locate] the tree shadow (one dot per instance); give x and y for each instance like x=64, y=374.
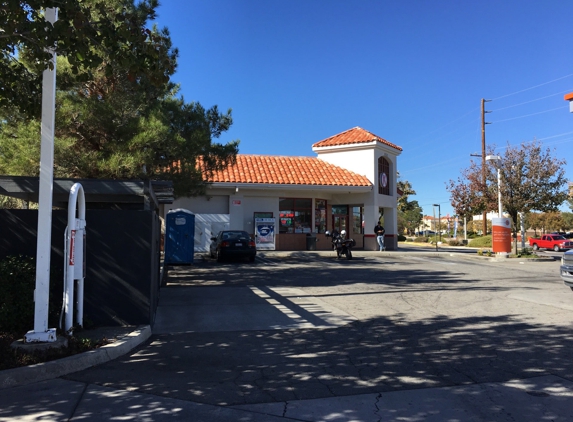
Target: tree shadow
x=374, y=355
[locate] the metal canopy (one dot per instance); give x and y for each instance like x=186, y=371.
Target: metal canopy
x=97, y=191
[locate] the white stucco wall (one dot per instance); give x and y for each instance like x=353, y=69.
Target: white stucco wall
x=210, y=204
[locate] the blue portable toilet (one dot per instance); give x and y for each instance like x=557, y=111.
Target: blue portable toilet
x=179, y=237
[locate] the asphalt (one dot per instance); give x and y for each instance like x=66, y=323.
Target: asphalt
x=51, y=392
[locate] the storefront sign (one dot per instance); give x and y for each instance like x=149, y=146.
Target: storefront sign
x=501, y=235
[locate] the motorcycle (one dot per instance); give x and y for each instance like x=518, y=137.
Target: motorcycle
x=341, y=244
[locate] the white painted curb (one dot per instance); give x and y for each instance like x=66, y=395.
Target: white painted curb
x=57, y=368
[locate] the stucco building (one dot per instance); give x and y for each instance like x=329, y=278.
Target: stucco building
x=349, y=185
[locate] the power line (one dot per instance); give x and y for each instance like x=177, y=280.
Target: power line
x=533, y=87
x=532, y=114
x=531, y=101
x=447, y=124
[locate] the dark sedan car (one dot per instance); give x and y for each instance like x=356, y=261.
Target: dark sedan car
x=232, y=244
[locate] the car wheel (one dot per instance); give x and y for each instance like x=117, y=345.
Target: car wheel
x=535, y=247
x=556, y=248
x=219, y=256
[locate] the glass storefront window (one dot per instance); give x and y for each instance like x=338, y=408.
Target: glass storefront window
x=357, y=220
x=320, y=215
x=295, y=215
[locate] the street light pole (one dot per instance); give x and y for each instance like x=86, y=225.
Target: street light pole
x=497, y=159
x=439, y=219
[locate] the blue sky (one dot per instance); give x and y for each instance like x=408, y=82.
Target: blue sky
x=412, y=72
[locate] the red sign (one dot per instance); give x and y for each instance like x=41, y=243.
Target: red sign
x=501, y=235
x=72, y=247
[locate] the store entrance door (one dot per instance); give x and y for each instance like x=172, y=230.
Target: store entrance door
x=340, y=217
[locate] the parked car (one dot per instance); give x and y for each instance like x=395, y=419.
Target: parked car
x=550, y=241
x=425, y=233
x=232, y=244
x=566, y=268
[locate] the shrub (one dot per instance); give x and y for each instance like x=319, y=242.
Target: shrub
x=401, y=238
x=481, y=242
x=421, y=239
x=17, y=285
x=455, y=242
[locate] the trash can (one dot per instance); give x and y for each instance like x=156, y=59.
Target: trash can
x=310, y=242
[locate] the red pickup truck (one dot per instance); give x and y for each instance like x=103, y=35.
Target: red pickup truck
x=550, y=241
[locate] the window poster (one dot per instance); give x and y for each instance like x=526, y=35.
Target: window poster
x=265, y=233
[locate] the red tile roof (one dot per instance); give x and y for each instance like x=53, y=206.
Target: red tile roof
x=263, y=169
x=356, y=135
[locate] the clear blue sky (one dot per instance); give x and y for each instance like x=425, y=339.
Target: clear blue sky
x=411, y=71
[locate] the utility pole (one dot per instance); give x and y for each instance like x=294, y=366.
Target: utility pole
x=483, y=162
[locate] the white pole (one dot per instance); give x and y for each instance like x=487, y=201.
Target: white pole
x=44, y=241
x=75, y=258
x=522, y=229
x=500, y=211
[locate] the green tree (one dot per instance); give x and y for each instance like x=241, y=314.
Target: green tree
x=531, y=180
x=410, y=219
x=406, y=190
x=467, y=192
x=409, y=212
x=111, y=123
x=567, y=220
x=534, y=220
x=552, y=221
x=81, y=32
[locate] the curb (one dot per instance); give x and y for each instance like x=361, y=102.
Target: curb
x=57, y=368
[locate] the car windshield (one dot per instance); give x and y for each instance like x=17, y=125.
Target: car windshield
x=236, y=235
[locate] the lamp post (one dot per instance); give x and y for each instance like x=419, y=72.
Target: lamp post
x=496, y=159
x=439, y=220
x=501, y=229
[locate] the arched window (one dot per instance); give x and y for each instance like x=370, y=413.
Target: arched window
x=383, y=176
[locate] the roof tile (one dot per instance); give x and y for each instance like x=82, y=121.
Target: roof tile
x=263, y=169
x=356, y=135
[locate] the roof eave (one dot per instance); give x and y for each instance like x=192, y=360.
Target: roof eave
x=269, y=186
x=357, y=147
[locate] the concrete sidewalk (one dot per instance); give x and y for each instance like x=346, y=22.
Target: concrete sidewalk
x=535, y=399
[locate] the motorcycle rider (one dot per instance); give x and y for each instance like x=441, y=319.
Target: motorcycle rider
x=379, y=230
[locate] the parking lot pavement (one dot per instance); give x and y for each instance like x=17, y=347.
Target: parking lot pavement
x=384, y=336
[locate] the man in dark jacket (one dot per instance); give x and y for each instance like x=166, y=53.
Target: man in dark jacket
x=379, y=230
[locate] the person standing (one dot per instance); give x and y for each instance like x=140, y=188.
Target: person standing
x=379, y=230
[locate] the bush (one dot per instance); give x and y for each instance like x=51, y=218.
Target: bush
x=17, y=285
x=481, y=242
x=455, y=242
x=401, y=238
x=421, y=239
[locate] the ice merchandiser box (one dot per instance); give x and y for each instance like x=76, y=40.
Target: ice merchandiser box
x=265, y=234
